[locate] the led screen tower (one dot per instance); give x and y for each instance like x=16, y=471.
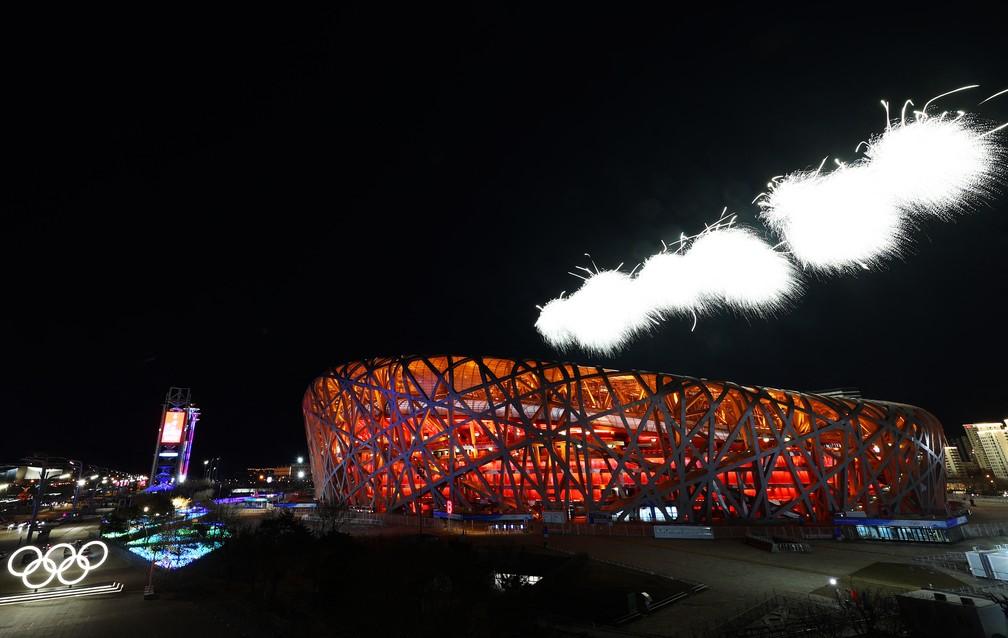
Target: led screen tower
x=174, y=440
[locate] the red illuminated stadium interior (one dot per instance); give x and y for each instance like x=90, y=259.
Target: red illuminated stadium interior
x=497, y=435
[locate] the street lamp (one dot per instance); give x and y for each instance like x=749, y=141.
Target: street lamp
x=300, y=460
x=80, y=482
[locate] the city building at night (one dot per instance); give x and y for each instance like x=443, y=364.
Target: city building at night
x=481, y=436
x=955, y=465
x=296, y=474
x=57, y=481
x=174, y=442
x=989, y=446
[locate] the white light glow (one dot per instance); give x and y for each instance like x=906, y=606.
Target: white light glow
x=855, y=216
x=724, y=266
x=600, y=317
x=836, y=221
x=936, y=165
x=739, y=270
x=49, y=565
x=858, y=215
x=114, y=588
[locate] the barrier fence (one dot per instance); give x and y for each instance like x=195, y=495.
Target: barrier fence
x=984, y=530
x=780, y=533
x=949, y=560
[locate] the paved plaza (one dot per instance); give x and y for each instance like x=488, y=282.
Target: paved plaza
x=739, y=576
x=125, y=614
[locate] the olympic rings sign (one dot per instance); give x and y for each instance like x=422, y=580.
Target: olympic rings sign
x=48, y=564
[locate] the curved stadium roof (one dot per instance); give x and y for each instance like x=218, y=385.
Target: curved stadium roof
x=500, y=435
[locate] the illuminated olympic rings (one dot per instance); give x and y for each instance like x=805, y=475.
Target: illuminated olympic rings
x=47, y=563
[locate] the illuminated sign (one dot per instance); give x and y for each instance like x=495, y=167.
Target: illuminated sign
x=449, y=507
x=48, y=564
x=683, y=531
x=173, y=424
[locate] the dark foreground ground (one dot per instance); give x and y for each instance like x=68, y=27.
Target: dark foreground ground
x=281, y=581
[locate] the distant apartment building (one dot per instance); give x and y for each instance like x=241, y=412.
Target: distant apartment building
x=961, y=461
x=989, y=446
x=955, y=466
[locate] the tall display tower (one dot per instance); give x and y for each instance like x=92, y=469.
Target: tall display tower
x=174, y=440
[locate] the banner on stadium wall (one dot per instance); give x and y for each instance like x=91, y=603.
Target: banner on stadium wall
x=554, y=518
x=683, y=531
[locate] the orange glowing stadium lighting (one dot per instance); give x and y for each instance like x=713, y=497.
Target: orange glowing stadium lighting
x=400, y=434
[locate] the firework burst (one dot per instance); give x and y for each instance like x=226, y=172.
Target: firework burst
x=860, y=214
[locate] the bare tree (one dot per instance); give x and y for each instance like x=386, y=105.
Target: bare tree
x=334, y=518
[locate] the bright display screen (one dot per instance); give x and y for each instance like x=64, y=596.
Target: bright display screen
x=172, y=430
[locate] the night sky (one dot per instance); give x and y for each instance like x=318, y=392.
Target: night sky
x=236, y=202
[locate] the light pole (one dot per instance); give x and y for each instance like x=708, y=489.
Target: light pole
x=80, y=484
x=150, y=576
x=210, y=471
x=40, y=490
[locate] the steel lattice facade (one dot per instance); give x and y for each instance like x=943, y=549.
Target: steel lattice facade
x=496, y=435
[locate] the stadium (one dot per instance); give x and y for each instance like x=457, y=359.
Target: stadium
x=479, y=435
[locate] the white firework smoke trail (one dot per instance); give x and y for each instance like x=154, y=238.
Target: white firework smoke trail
x=860, y=214
x=724, y=266
x=854, y=216
x=837, y=220
x=601, y=316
